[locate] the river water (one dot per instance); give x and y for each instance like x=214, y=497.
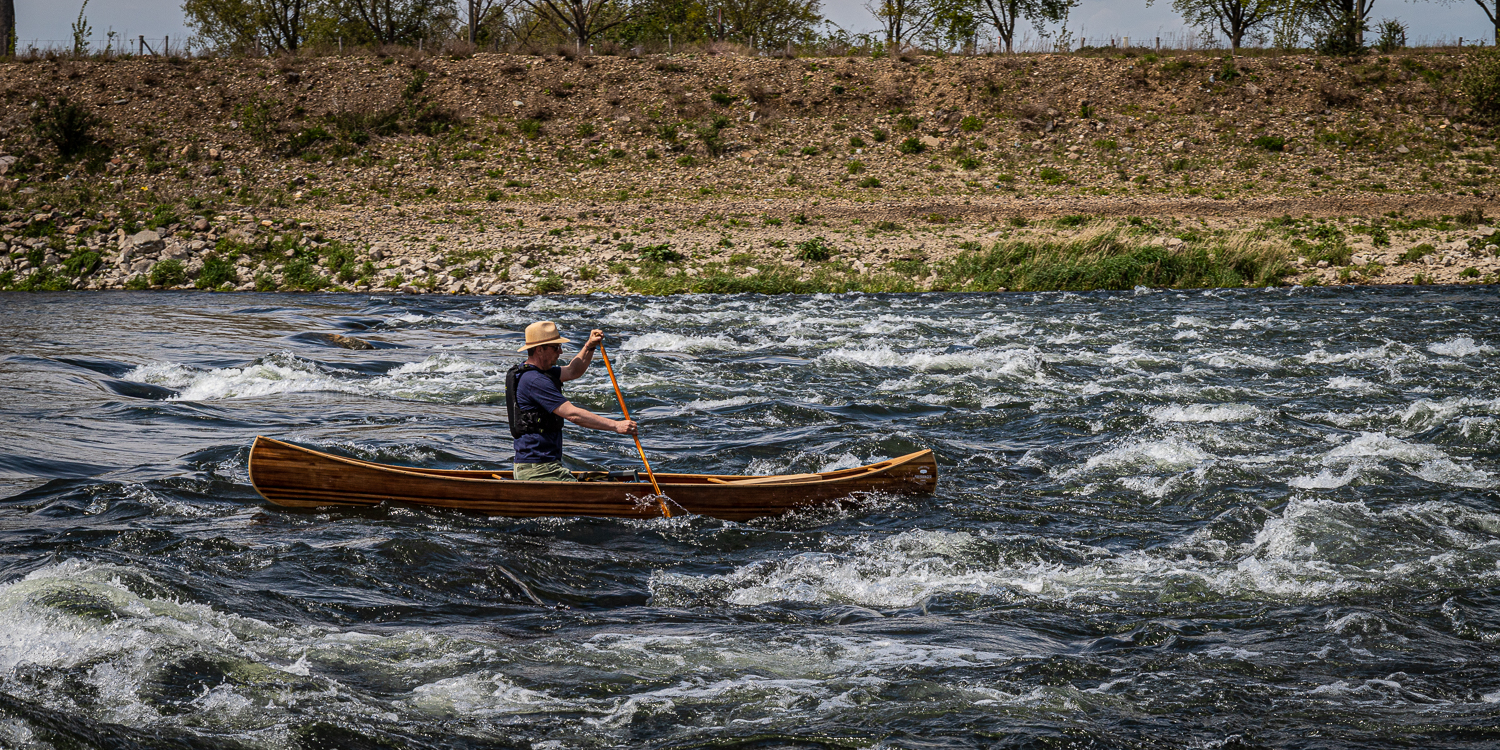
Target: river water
x=1222, y=519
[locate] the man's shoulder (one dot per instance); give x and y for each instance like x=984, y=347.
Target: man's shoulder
x=549, y=379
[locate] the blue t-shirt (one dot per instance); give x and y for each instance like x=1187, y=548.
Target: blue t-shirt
x=535, y=390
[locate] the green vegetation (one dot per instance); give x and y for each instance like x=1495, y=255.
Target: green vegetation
x=815, y=249
x=168, y=273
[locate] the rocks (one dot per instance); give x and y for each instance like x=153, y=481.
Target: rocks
x=1402, y=150
x=201, y=225
x=144, y=241
x=7, y=163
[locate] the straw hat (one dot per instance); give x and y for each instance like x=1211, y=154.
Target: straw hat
x=542, y=332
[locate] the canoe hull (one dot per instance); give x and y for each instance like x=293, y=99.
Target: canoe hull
x=293, y=476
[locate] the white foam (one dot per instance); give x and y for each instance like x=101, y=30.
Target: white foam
x=1353, y=384
x=1459, y=346
x=1170, y=454
x=1205, y=413
x=673, y=342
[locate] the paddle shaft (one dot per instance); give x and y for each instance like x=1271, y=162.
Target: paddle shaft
x=638, y=448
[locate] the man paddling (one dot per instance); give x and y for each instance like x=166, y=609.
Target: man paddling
x=535, y=405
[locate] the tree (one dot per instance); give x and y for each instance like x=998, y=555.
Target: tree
x=1004, y=15
x=767, y=23
x=904, y=20
x=7, y=28
x=395, y=21
x=479, y=13
x=1340, y=24
x=1233, y=17
x=583, y=20
x=270, y=24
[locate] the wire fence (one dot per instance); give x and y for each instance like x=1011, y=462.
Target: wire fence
x=124, y=45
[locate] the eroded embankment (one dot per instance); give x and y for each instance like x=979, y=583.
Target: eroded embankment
x=504, y=173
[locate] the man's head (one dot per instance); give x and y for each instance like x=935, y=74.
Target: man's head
x=543, y=344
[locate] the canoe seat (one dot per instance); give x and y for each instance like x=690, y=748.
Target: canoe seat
x=782, y=478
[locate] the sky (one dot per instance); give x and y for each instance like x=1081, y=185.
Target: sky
x=49, y=22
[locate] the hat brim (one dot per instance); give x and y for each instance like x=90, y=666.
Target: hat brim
x=558, y=340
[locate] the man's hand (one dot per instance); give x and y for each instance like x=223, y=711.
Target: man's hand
x=596, y=337
x=626, y=427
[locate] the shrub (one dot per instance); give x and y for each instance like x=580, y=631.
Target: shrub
x=855, y=167
x=169, y=272
x=69, y=128
x=216, y=272
x=879, y=135
x=300, y=274
x=1392, y=35
x=887, y=226
x=492, y=196
x=530, y=128
x=550, y=284
x=971, y=124
x=722, y=99
x=906, y=124
x=1269, y=142
x=662, y=253
x=1417, y=252
x=586, y=130
x=968, y=163
x=1073, y=220
x=911, y=146
x=1469, y=273
x=856, y=142
x=870, y=182
x=810, y=150
x=815, y=249
x=1052, y=175
x=138, y=282
x=1471, y=218
x=1380, y=237
x=82, y=264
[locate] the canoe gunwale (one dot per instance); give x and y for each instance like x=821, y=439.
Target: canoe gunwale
x=871, y=470
x=290, y=475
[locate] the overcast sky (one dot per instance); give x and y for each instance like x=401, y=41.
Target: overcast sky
x=49, y=21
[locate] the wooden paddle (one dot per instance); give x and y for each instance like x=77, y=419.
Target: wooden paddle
x=659, y=497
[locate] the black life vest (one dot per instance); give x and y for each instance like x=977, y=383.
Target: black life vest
x=528, y=421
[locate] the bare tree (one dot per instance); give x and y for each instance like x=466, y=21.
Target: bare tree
x=1233, y=17
x=274, y=24
x=904, y=20
x=481, y=12
x=7, y=28
x=582, y=19
x=396, y=21
x=1004, y=15
x=769, y=22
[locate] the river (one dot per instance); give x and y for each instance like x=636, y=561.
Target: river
x=1207, y=519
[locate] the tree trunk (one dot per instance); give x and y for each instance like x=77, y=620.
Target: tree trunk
x=7, y=28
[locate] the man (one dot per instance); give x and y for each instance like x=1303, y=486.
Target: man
x=535, y=405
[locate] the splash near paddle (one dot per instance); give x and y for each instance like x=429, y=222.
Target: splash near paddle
x=660, y=498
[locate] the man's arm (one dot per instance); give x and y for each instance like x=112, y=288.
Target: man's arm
x=581, y=360
x=585, y=418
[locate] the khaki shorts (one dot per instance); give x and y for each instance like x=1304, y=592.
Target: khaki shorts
x=548, y=472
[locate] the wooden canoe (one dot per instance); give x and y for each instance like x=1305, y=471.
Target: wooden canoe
x=291, y=475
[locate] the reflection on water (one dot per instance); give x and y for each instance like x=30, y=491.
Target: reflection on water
x=1205, y=519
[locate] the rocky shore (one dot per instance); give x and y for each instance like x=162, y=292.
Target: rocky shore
x=500, y=174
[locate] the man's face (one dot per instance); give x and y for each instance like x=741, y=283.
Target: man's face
x=546, y=355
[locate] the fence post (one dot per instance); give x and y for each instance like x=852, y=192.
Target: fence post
x=142, y=51
x=166, y=45
x=1126, y=45
x=1158, y=44
x=341, y=45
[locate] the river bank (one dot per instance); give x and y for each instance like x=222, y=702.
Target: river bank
x=504, y=174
